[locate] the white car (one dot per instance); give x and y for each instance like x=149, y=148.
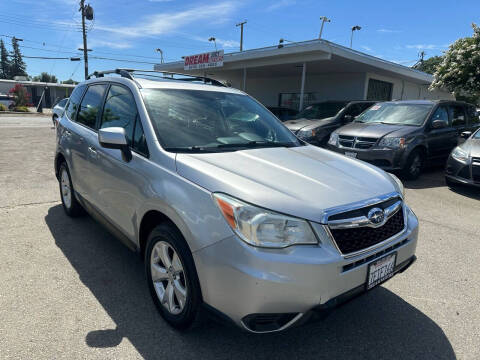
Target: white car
x=58, y=110
x=6, y=100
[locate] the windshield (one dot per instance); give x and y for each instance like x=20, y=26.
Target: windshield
x=396, y=113
x=207, y=121
x=321, y=110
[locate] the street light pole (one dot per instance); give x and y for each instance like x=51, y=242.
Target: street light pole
x=356, y=27
x=161, y=54
x=214, y=41
x=241, y=33
x=324, y=20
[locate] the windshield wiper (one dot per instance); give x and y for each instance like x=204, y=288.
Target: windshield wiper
x=190, y=149
x=253, y=144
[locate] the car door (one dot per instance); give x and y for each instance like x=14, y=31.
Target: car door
x=440, y=141
x=459, y=122
x=121, y=186
x=84, y=133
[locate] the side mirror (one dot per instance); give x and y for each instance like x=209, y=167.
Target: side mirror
x=465, y=134
x=115, y=138
x=439, y=124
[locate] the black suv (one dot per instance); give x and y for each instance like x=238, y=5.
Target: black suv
x=406, y=135
x=315, y=123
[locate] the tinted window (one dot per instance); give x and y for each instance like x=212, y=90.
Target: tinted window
x=322, y=110
x=441, y=114
x=458, y=115
x=62, y=102
x=396, y=113
x=74, y=101
x=472, y=114
x=192, y=120
x=120, y=110
x=139, y=141
x=357, y=109
x=91, y=103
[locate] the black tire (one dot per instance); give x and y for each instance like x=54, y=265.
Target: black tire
x=72, y=209
x=450, y=183
x=54, y=119
x=414, y=165
x=189, y=316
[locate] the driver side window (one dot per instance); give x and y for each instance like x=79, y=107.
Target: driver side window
x=441, y=114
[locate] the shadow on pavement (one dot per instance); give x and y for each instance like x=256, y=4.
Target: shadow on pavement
x=377, y=325
x=431, y=177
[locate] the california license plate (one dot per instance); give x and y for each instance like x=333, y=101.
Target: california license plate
x=351, y=154
x=381, y=270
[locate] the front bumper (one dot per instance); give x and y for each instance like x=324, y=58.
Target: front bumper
x=240, y=281
x=462, y=173
x=386, y=159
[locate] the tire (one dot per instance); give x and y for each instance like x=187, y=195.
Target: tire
x=70, y=203
x=450, y=183
x=54, y=119
x=176, y=277
x=414, y=165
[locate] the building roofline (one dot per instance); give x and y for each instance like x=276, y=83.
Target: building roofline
x=38, y=83
x=322, y=45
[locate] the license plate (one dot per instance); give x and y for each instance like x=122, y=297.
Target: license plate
x=351, y=154
x=381, y=270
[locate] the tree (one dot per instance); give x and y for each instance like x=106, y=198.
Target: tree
x=45, y=77
x=430, y=65
x=459, y=70
x=17, y=66
x=70, y=81
x=4, y=62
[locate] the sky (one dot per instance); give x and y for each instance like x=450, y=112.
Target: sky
x=132, y=29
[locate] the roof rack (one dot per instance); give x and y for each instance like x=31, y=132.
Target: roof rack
x=129, y=74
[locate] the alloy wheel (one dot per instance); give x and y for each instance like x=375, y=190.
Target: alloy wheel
x=65, y=188
x=168, y=277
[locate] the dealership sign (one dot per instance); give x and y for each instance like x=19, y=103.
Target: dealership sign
x=203, y=61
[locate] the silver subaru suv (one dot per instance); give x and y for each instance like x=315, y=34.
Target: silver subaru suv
x=230, y=211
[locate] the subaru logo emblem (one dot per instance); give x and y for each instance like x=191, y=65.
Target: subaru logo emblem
x=376, y=216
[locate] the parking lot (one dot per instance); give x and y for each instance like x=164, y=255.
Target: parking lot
x=70, y=290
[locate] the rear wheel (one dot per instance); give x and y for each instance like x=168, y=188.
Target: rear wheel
x=172, y=278
x=70, y=203
x=414, y=165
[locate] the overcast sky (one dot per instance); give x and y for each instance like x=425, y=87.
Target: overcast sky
x=132, y=30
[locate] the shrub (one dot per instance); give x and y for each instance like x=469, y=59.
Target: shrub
x=21, y=109
x=3, y=107
x=20, y=95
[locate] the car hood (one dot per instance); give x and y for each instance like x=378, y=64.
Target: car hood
x=472, y=147
x=375, y=130
x=297, y=124
x=301, y=181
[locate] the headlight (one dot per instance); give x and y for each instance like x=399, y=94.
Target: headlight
x=261, y=227
x=333, y=139
x=392, y=142
x=460, y=155
x=306, y=134
x=400, y=189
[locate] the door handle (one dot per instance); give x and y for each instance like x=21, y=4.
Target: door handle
x=92, y=151
x=68, y=133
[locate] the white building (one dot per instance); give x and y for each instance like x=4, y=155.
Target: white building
x=318, y=70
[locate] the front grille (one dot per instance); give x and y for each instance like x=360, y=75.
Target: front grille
x=356, y=239
x=356, y=142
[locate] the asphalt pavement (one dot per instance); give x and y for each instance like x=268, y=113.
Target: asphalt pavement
x=70, y=290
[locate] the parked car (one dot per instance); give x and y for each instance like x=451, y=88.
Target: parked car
x=230, y=211
x=57, y=110
x=405, y=135
x=463, y=165
x=283, y=113
x=316, y=122
x=6, y=100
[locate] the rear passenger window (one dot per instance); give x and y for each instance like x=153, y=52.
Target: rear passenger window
x=91, y=103
x=440, y=114
x=458, y=115
x=473, y=115
x=120, y=110
x=74, y=101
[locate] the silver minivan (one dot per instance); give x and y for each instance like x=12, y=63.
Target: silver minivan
x=232, y=213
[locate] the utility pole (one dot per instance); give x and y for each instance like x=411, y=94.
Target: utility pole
x=324, y=20
x=241, y=33
x=87, y=13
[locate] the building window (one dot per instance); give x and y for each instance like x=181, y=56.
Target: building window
x=379, y=90
x=292, y=100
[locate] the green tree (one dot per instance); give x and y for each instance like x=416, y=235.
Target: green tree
x=4, y=62
x=459, y=70
x=70, y=81
x=45, y=77
x=429, y=65
x=17, y=66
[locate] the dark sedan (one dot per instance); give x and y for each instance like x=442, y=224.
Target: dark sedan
x=463, y=165
x=316, y=122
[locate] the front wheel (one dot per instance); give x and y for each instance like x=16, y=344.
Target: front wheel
x=414, y=165
x=70, y=203
x=172, y=277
